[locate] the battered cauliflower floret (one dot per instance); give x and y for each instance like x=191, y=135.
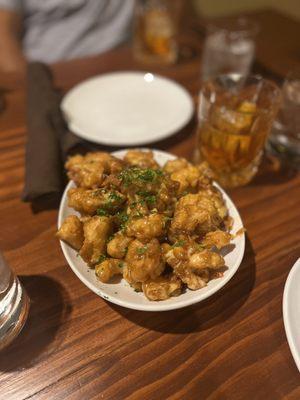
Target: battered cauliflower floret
x=89, y=171
x=135, y=179
x=71, y=232
x=213, y=194
x=176, y=165
x=165, y=248
x=112, y=182
x=158, y=193
x=137, y=208
x=85, y=173
x=142, y=159
x=108, y=269
x=89, y=201
x=96, y=232
x=193, y=268
x=111, y=164
x=188, y=178
x=162, y=287
x=137, y=286
x=205, y=259
x=144, y=261
x=177, y=255
x=146, y=228
x=117, y=247
x=166, y=195
x=74, y=162
x=218, y=239
x=178, y=259
x=194, y=214
x=191, y=279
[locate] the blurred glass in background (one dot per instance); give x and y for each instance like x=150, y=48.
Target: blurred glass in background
x=285, y=138
x=155, y=29
x=235, y=114
x=14, y=304
x=229, y=47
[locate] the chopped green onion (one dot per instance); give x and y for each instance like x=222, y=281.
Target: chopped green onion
x=141, y=250
x=101, y=212
x=101, y=259
x=180, y=243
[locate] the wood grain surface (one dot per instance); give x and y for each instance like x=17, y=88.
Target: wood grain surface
x=77, y=346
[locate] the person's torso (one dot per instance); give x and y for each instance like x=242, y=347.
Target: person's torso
x=64, y=29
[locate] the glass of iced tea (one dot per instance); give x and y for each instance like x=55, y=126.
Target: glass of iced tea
x=155, y=28
x=235, y=115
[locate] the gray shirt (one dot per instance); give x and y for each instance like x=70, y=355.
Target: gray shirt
x=65, y=29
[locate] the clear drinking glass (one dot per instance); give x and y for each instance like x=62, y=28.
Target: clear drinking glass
x=285, y=136
x=14, y=304
x=229, y=47
x=235, y=117
x=155, y=29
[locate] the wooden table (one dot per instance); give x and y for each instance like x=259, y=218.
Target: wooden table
x=77, y=346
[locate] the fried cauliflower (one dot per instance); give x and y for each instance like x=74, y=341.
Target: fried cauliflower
x=160, y=229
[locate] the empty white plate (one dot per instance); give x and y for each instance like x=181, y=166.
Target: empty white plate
x=291, y=311
x=121, y=293
x=127, y=108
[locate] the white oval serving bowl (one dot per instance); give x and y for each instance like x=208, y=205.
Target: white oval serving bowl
x=121, y=293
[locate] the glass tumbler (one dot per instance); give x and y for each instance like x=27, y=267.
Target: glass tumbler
x=155, y=29
x=235, y=114
x=229, y=47
x=284, y=140
x=14, y=304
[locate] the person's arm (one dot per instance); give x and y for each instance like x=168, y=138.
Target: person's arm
x=11, y=56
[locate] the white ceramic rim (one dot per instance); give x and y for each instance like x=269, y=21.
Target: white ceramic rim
x=161, y=305
x=286, y=315
x=138, y=142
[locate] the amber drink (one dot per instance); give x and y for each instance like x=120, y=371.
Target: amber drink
x=155, y=28
x=235, y=117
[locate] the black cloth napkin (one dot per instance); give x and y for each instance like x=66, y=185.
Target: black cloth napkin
x=49, y=141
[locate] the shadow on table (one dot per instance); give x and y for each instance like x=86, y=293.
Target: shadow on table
x=273, y=172
x=49, y=305
x=48, y=202
x=211, y=312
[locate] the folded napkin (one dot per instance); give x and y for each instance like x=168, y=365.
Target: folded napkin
x=49, y=141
